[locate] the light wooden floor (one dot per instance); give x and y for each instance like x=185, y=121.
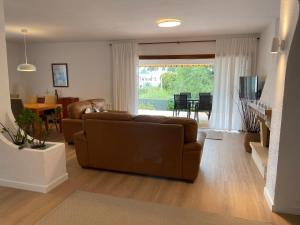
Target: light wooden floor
x=228, y=184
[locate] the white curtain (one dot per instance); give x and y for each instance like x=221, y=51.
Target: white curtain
x=124, y=68
x=234, y=58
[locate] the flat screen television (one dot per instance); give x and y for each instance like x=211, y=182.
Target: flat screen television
x=249, y=88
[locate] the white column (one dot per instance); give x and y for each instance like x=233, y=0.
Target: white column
x=15, y=164
x=283, y=180
x=4, y=84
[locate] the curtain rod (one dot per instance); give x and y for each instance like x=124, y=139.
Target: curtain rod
x=177, y=42
x=171, y=42
x=174, y=42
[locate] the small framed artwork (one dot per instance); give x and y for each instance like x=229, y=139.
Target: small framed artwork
x=60, y=74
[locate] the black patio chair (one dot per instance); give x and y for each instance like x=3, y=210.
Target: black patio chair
x=203, y=105
x=188, y=94
x=181, y=103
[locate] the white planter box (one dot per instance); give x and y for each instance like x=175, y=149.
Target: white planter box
x=30, y=169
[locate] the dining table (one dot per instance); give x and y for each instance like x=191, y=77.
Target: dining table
x=40, y=108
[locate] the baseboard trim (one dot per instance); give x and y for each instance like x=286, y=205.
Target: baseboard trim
x=275, y=208
x=268, y=198
x=34, y=187
x=292, y=211
x=56, y=182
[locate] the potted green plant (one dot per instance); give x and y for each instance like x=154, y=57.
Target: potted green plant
x=38, y=142
x=30, y=169
x=25, y=133
x=23, y=121
x=19, y=138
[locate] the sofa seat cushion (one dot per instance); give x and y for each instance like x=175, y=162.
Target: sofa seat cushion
x=190, y=127
x=109, y=116
x=150, y=119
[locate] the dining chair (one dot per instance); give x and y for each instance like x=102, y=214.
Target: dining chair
x=189, y=94
x=31, y=99
x=55, y=118
x=204, y=104
x=181, y=103
x=50, y=99
x=176, y=102
x=17, y=106
x=51, y=114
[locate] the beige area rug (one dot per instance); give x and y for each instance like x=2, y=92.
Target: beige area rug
x=84, y=208
x=214, y=135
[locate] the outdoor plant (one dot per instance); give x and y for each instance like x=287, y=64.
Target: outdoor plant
x=146, y=106
x=173, y=80
x=170, y=106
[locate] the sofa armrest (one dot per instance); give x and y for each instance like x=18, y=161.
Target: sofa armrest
x=79, y=137
x=201, y=138
x=191, y=158
x=81, y=148
x=70, y=127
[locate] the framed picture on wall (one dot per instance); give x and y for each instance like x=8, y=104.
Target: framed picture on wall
x=60, y=74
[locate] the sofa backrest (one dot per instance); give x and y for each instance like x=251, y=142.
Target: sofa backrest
x=189, y=125
x=109, y=116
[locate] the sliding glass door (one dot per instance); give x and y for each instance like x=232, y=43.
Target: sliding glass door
x=160, y=80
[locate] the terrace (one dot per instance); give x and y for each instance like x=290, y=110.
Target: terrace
x=160, y=80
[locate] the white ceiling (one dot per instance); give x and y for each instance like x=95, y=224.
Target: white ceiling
x=92, y=20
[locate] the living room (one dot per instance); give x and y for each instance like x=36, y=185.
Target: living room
x=85, y=57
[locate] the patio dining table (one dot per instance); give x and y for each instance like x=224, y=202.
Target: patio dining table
x=193, y=102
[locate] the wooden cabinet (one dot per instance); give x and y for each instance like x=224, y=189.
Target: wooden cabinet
x=65, y=102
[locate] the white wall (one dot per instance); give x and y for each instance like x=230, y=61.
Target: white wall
x=184, y=48
x=287, y=193
x=178, y=49
x=283, y=180
x=89, y=65
x=15, y=56
x=266, y=64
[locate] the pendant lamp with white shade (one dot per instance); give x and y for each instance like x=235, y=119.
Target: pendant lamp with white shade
x=26, y=67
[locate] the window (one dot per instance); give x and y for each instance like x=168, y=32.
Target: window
x=159, y=80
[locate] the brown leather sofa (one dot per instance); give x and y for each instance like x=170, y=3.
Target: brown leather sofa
x=76, y=110
x=150, y=145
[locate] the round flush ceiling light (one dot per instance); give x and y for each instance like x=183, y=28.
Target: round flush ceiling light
x=168, y=23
